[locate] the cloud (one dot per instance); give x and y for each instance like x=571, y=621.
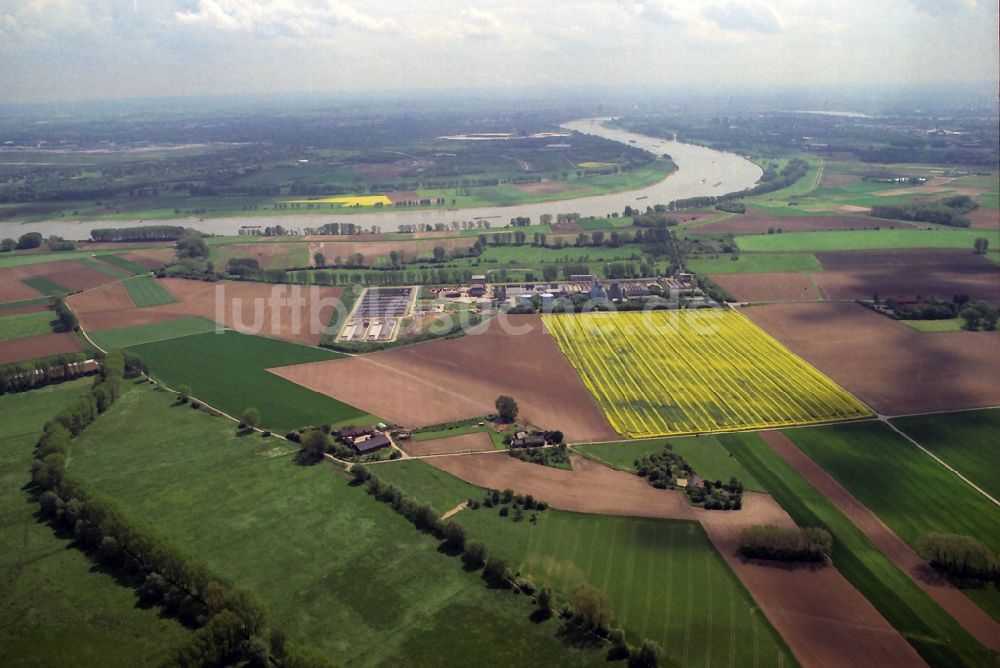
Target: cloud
x=479, y=23
x=744, y=17
x=939, y=7
x=281, y=17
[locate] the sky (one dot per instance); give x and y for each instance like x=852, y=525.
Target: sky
x=99, y=49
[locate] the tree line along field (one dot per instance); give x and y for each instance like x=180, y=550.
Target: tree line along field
x=935, y=634
x=665, y=580
x=677, y=372
x=229, y=371
x=56, y=608
x=334, y=567
x=963, y=440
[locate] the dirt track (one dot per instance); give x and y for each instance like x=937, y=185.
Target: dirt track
x=38, y=346
x=892, y=367
x=822, y=617
x=967, y=613
x=475, y=442
x=461, y=378
x=248, y=307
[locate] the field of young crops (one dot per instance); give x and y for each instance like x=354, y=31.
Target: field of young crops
x=681, y=372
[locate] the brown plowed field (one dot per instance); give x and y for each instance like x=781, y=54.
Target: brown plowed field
x=774, y=287
x=890, y=366
x=985, y=218
x=752, y=223
x=67, y=273
x=968, y=614
x=154, y=258
x=860, y=274
x=546, y=187
x=31, y=347
x=476, y=442
x=822, y=617
x=454, y=379
x=246, y=307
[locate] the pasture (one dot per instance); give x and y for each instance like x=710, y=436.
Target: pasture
x=146, y=291
x=935, y=635
x=753, y=263
x=45, y=285
x=123, y=263
x=706, y=454
x=911, y=492
x=229, y=371
x=334, y=567
x=948, y=325
x=110, y=339
x=680, y=372
x=665, y=579
x=941, y=237
x=25, y=324
x=965, y=440
x=56, y=608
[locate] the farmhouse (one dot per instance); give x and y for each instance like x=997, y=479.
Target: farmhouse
x=369, y=444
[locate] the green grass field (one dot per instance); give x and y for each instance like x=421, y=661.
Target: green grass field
x=933, y=632
x=110, y=339
x=56, y=608
x=229, y=372
x=665, y=579
x=105, y=268
x=145, y=291
x=706, y=455
x=334, y=567
x=10, y=306
x=45, y=286
x=948, y=325
x=25, y=324
x=753, y=263
x=907, y=489
x=864, y=240
x=20, y=259
x=122, y=263
x=965, y=440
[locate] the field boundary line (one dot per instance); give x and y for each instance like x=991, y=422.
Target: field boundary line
x=940, y=461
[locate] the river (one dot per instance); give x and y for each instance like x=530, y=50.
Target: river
x=700, y=171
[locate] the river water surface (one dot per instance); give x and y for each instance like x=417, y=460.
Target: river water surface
x=700, y=171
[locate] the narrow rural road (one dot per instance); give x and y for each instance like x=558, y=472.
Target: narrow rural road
x=972, y=618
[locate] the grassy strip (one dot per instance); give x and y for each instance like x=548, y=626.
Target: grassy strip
x=935, y=635
x=45, y=286
x=37, y=301
x=706, y=454
x=56, y=608
x=755, y=263
x=229, y=371
x=145, y=291
x=25, y=325
x=949, y=325
x=110, y=339
x=863, y=240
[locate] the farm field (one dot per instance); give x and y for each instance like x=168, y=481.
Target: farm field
x=949, y=325
x=754, y=222
x=964, y=440
x=455, y=379
x=25, y=324
x=862, y=240
x=665, y=579
x=472, y=442
x=781, y=287
x=229, y=371
x=267, y=255
x=293, y=313
x=56, y=607
x=932, y=632
x=910, y=491
x=43, y=345
x=146, y=291
x=848, y=342
x=110, y=339
x=706, y=455
x=679, y=372
x=750, y=263
x=176, y=462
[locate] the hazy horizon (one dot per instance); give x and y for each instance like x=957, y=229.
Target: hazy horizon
x=56, y=50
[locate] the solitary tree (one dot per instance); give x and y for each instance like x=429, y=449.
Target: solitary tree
x=981, y=245
x=319, y=259
x=183, y=393
x=545, y=601
x=592, y=606
x=648, y=655
x=314, y=444
x=506, y=408
x=440, y=254
x=251, y=418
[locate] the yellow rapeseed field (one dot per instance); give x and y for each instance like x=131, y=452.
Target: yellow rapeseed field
x=663, y=373
x=347, y=200
x=595, y=165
